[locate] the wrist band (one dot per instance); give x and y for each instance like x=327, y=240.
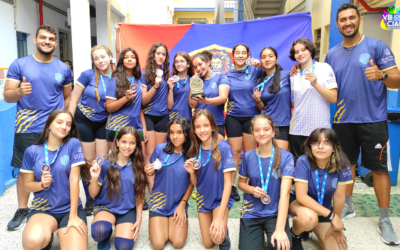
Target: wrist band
x=333, y=216
x=184, y=200
x=41, y=184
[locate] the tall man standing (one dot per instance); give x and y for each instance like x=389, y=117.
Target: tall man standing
x=364, y=68
x=39, y=84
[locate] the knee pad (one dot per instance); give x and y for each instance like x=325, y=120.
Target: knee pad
x=101, y=230
x=123, y=243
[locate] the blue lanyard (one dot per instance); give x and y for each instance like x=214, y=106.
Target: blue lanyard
x=264, y=82
x=322, y=193
x=129, y=161
x=265, y=187
x=165, y=162
x=247, y=69
x=46, y=154
x=209, y=155
x=102, y=81
x=183, y=84
x=130, y=79
x=312, y=70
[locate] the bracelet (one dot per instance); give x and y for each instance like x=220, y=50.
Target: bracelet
x=152, y=174
x=333, y=216
x=184, y=200
x=156, y=88
x=41, y=184
x=330, y=215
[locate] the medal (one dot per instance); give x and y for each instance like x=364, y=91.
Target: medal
x=45, y=167
x=248, y=62
x=99, y=161
x=133, y=87
x=159, y=72
x=307, y=71
x=266, y=199
x=157, y=164
x=261, y=85
x=176, y=78
x=256, y=90
x=196, y=165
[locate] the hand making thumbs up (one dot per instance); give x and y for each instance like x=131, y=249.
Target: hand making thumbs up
x=373, y=73
x=25, y=88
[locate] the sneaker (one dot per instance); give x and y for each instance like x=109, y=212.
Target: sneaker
x=89, y=205
x=385, y=228
x=105, y=244
x=347, y=213
x=18, y=220
x=145, y=205
x=296, y=242
x=235, y=193
x=305, y=236
x=194, y=194
x=226, y=244
x=48, y=247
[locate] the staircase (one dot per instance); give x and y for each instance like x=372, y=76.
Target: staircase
x=254, y=9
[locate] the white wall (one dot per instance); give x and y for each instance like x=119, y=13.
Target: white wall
x=151, y=11
x=8, y=41
x=101, y=22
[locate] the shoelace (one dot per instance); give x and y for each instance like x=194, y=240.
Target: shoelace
x=18, y=213
x=387, y=225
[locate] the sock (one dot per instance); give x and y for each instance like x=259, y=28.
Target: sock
x=101, y=230
x=293, y=235
x=349, y=202
x=123, y=243
x=383, y=213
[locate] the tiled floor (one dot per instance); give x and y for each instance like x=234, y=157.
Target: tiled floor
x=361, y=231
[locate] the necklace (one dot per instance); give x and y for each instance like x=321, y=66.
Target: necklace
x=351, y=50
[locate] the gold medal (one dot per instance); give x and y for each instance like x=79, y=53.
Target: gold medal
x=196, y=165
x=266, y=199
x=45, y=167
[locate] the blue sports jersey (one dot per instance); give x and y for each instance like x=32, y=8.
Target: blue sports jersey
x=122, y=204
x=47, y=81
x=127, y=115
x=253, y=207
x=181, y=100
x=88, y=105
x=303, y=173
x=158, y=105
x=278, y=105
x=57, y=198
x=241, y=102
x=360, y=100
x=210, y=184
x=211, y=89
x=170, y=183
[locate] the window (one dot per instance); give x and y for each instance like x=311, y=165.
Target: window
x=191, y=20
x=21, y=44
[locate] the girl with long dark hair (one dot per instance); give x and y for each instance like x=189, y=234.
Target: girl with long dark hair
x=118, y=185
x=213, y=177
x=124, y=97
x=265, y=176
x=321, y=176
x=179, y=91
x=172, y=187
x=241, y=107
x=273, y=95
x=216, y=90
x=51, y=168
x=88, y=107
x=155, y=96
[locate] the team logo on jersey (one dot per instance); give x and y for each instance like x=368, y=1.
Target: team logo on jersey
x=214, y=85
x=364, y=58
x=64, y=160
x=334, y=182
x=331, y=75
x=58, y=77
x=222, y=57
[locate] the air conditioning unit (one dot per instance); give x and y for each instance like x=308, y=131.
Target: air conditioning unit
x=8, y=1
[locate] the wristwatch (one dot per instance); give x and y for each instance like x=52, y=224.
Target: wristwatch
x=385, y=76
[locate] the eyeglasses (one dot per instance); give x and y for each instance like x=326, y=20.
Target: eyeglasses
x=324, y=144
x=180, y=62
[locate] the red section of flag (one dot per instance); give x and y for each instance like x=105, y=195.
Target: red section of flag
x=2, y=74
x=141, y=37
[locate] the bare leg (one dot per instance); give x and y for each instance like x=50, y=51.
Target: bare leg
x=150, y=145
x=177, y=235
x=236, y=145
x=215, y=213
x=205, y=220
x=23, y=196
x=382, y=188
x=102, y=148
x=72, y=239
x=283, y=144
x=304, y=219
x=89, y=150
x=38, y=231
x=158, y=231
x=320, y=231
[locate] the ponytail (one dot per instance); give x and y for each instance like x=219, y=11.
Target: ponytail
x=97, y=84
x=277, y=157
x=276, y=84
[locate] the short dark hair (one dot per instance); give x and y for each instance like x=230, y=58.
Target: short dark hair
x=46, y=28
x=346, y=6
x=306, y=42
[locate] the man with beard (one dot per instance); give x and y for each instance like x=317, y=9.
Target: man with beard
x=364, y=67
x=39, y=84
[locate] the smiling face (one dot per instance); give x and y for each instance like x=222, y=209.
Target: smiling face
x=301, y=53
x=240, y=56
x=322, y=149
x=61, y=126
x=129, y=60
x=202, y=128
x=180, y=63
x=176, y=135
x=46, y=42
x=268, y=59
x=348, y=22
x=263, y=131
x=160, y=55
x=126, y=145
x=101, y=59
x=200, y=66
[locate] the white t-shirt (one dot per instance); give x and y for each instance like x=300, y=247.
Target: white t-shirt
x=311, y=110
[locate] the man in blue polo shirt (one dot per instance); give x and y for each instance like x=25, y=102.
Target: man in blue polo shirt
x=364, y=68
x=39, y=84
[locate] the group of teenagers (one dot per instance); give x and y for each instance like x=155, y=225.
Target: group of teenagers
x=127, y=130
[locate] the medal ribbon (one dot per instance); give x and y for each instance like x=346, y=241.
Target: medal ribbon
x=312, y=70
x=130, y=80
x=183, y=84
x=129, y=161
x=166, y=159
x=247, y=69
x=46, y=154
x=264, y=82
x=208, y=158
x=102, y=81
x=322, y=193
x=265, y=186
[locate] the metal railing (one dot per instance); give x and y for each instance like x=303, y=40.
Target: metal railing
x=232, y=11
x=248, y=10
